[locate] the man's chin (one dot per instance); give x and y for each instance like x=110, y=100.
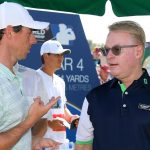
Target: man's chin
x=23, y=58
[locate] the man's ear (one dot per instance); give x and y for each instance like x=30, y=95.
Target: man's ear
x=139, y=51
x=8, y=31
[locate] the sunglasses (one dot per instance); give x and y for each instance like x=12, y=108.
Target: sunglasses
x=116, y=50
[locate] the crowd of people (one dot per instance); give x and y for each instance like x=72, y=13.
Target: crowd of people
x=33, y=110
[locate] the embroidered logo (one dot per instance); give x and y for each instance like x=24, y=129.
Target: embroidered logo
x=144, y=107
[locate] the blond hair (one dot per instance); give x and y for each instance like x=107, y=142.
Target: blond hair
x=132, y=28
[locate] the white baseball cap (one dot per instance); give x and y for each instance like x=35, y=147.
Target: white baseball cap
x=15, y=14
x=53, y=47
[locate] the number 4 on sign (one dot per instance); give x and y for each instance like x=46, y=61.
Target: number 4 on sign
x=80, y=65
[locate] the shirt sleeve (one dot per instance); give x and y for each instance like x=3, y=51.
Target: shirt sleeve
x=1, y=109
x=85, y=129
x=1, y=114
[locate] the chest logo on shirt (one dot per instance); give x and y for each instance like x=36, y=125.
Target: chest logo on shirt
x=144, y=107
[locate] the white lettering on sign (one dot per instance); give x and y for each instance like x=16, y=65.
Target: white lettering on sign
x=68, y=64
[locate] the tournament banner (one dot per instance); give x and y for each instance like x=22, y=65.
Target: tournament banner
x=78, y=68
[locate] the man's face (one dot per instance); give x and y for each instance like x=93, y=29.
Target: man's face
x=54, y=60
x=124, y=64
x=22, y=42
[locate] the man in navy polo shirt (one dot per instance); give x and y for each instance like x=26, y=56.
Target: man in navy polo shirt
x=116, y=115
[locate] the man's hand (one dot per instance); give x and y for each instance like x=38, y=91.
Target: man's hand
x=39, y=143
x=38, y=109
x=56, y=125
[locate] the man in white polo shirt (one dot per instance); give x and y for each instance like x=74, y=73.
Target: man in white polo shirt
x=52, y=54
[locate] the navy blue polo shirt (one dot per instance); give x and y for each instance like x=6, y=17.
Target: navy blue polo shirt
x=121, y=120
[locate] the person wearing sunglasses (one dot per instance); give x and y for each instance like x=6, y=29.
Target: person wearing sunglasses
x=115, y=115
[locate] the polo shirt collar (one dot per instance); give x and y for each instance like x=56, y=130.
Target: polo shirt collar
x=6, y=72
x=144, y=80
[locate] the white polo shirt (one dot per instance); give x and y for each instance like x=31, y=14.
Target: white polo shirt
x=55, y=86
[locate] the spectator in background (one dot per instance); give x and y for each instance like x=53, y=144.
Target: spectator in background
x=16, y=116
x=52, y=54
x=96, y=54
x=102, y=68
x=115, y=115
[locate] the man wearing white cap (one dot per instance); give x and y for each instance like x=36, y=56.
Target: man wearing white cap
x=52, y=54
x=16, y=117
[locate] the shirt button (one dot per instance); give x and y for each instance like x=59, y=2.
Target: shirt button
x=126, y=93
x=124, y=105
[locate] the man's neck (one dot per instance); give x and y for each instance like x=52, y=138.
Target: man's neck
x=128, y=81
x=47, y=70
